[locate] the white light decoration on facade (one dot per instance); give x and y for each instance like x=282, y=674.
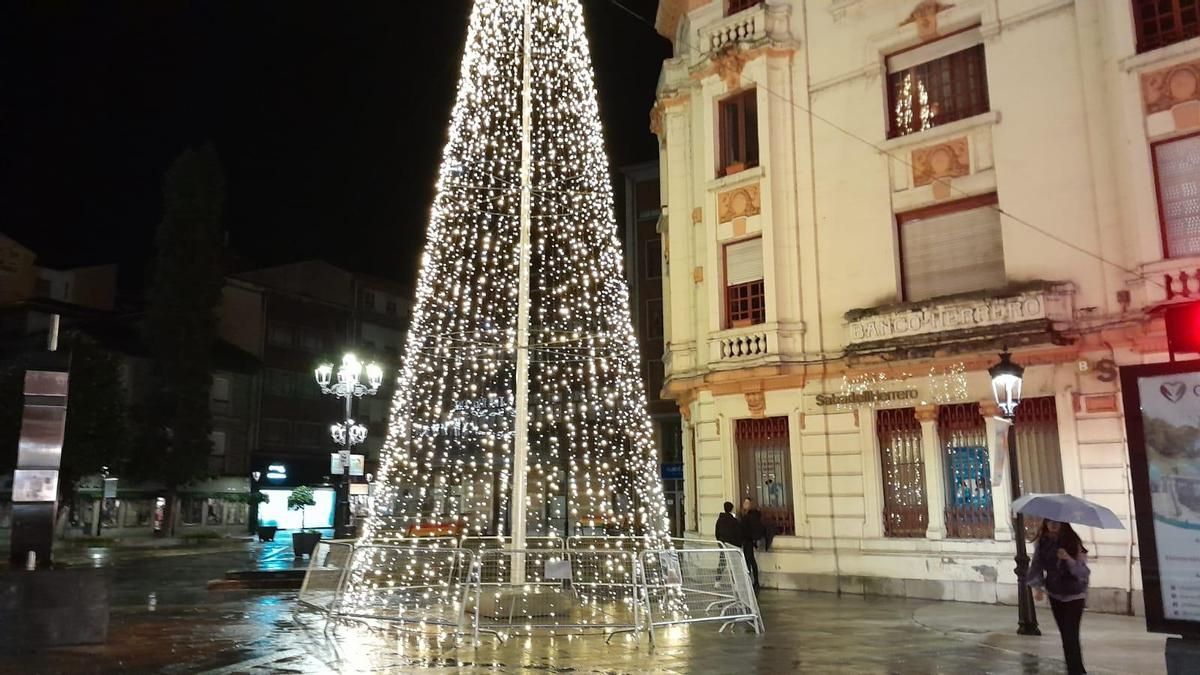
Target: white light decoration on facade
x=949, y=384
x=519, y=377
x=858, y=386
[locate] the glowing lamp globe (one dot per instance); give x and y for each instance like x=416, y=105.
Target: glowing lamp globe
x=1006, y=383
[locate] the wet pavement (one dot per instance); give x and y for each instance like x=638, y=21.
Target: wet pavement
x=165, y=621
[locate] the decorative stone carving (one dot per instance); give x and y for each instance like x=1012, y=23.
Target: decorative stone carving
x=949, y=159
x=728, y=64
x=698, y=274
x=685, y=411
x=1168, y=87
x=925, y=16
x=926, y=413
x=697, y=215
x=656, y=124
x=741, y=202
x=756, y=401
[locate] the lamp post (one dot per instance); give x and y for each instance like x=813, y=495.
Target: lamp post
x=347, y=434
x=1006, y=387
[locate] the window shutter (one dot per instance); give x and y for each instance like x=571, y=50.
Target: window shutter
x=934, y=50
x=952, y=253
x=743, y=262
x=1178, y=167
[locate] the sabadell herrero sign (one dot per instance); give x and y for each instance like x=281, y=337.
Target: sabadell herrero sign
x=866, y=397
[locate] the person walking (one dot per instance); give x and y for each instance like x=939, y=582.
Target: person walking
x=751, y=530
x=1059, y=569
x=727, y=533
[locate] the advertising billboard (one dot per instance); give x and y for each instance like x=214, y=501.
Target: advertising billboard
x=1162, y=418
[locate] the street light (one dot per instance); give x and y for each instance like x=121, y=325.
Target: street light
x=1006, y=387
x=347, y=434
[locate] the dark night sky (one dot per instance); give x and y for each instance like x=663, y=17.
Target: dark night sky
x=329, y=119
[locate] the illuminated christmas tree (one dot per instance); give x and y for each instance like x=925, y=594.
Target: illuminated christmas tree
x=520, y=410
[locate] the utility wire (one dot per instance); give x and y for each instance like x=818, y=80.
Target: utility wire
x=902, y=160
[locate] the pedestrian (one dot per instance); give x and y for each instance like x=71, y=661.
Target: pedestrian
x=751, y=531
x=1059, y=569
x=727, y=533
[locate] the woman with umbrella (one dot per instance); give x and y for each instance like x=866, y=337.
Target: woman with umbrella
x=1059, y=569
x=1059, y=565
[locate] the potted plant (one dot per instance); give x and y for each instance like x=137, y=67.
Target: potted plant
x=303, y=542
x=266, y=531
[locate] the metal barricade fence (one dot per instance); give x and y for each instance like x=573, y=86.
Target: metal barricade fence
x=698, y=585
x=425, y=586
x=565, y=586
x=561, y=593
x=326, y=572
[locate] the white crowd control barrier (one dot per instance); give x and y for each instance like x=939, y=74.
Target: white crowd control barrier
x=573, y=586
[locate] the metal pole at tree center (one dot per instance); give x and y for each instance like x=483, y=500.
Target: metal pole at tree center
x=520, y=420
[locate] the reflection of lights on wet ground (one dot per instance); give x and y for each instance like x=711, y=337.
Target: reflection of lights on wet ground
x=152, y=602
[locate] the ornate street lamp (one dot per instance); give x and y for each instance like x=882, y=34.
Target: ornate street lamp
x=347, y=434
x=1006, y=387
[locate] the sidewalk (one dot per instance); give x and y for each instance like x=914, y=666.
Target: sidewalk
x=1111, y=643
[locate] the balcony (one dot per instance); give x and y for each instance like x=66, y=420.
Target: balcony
x=739, y=346
x=745, y=26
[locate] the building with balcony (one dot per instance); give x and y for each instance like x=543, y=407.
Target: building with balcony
x=865, y=201
x=640, y=211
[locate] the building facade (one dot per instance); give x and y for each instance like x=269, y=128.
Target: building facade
x=295, y=317
x=865, y=201
x=640, y=211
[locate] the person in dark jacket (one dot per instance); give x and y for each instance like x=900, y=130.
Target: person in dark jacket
x=727, y=533
x=1059, y=569
x=751, y=532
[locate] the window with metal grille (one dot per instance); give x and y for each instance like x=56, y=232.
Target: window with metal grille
x=735, y=6
x=905, y=510
x=745, y=293
x=951, y=248
x=738, y=119
x=1038, y=451
x=963, y=435
x=765, y=469
x=937, y=83
x=1159, y=23
x=1177, y=178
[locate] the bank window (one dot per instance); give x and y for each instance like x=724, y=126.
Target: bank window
x=902, y=461
x=745, y=293
x=1159, y=23
x=738, y=119
x=937, y=83
x=735, y=6
x=765, y=469
x=1177, y=174
x=1038, y=451
x=391, y=306
x=951, y=248
x=368, y=300
x=963, y=435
